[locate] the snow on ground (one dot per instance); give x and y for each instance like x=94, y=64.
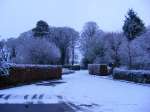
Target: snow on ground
x=92, y=93
x=67, y=71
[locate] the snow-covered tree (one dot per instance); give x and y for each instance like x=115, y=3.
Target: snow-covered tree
x=65, y=39
x=146, y=40
x=31, y=50
x=87, y=35
x=92, y=44
x=11, y=44
x=114, y=42
x=4, y=57
x=133, y=27
x=37, y=51
x=143, y=42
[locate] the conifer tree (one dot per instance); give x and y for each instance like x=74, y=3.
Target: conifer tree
x=41, y=29
x=133, y=25
x=132, y=28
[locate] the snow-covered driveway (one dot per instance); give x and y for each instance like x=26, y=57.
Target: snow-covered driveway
x=85, y=93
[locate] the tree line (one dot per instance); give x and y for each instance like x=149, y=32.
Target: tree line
x=120, y=48
x=45, y=44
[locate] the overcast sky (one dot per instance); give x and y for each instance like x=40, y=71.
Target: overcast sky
x=18, y=16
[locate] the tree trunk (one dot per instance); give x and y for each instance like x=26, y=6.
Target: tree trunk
x=129, y=54
x=63, y=56
x=72, y=61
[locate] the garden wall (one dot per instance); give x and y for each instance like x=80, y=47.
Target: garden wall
x=139, y=76
x=20, y=74
x=98, y=69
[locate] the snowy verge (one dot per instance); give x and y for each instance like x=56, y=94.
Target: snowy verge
x=67, y=71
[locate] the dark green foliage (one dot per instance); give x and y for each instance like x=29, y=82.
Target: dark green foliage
x=133, y=25
x=41, y=29
x=85, y=63
x=72, y=67
x=98, y=69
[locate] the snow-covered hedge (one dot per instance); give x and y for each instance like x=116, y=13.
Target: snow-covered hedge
x=98, y=69
x=140, y=76
x=72, y=67
x=26, y=73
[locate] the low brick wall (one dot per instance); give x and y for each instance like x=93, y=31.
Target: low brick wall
x=139, y=76
x=98, y=69
x=20, y=74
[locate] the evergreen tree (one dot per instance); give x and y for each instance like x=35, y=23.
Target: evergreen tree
x=133, y=25
x=41, y=29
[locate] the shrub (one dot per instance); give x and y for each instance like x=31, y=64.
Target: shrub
x=139, y=76
x=72, y=67
x=103, y=69
x=98, y=69
x=4, y=69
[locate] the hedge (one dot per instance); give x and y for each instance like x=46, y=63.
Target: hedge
x=20, y=74
x=98, y=69
x=72, y=67
x=139, y=76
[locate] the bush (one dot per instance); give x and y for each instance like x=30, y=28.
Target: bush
x=98, y=69
x=85, y=63
x=75, y=67
x=30, y=50
x=139, y=76
x=72, y=67
x=4, y=70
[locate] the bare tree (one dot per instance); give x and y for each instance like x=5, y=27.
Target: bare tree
x=114, y=43
x=65, y=39
x=92, y=43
